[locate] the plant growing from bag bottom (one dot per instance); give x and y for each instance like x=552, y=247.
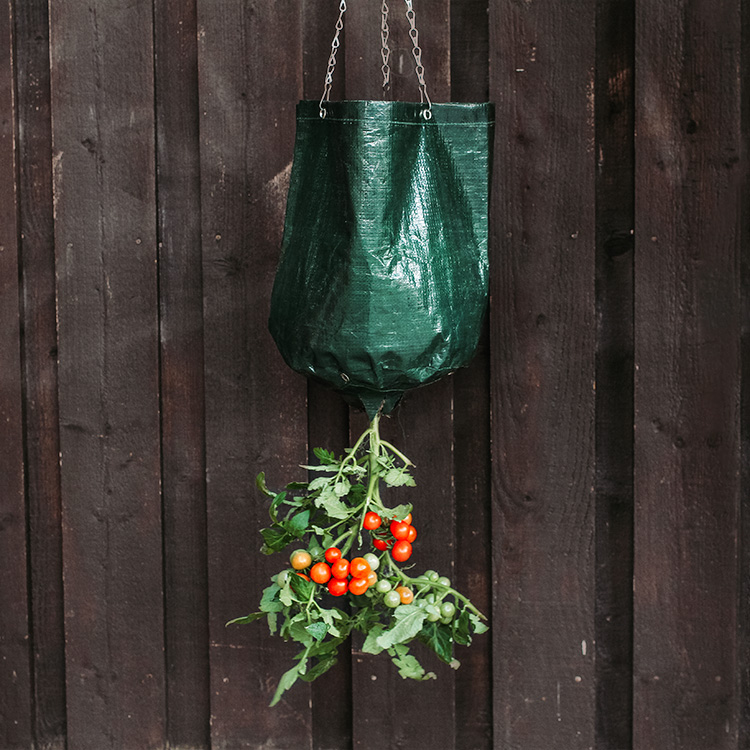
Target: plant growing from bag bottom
x=346, y=543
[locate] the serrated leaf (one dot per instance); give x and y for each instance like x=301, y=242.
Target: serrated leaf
x=297, y=524
x=439, y=638
x=322, y=666
x=342, y=488
x=275, y=539
x=298, y=631
x=477, y=624
x=285, y=595
x=398, y=478
x=409, y=668
x=318, y=483
x=371, y=645
x=260, y=483
x=399, y=512
x=287, y=680
x=462, y=629
x=301, y=587
x=409, y=621
x=332, y=505
x=317, y=630
x=324, y=455
x=269, y=601
x=272, y=616
x=247, y=619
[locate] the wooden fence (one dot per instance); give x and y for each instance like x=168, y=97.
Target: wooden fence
x=581, y=480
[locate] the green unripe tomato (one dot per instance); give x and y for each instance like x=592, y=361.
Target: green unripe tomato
x=446, y=620
x=372, y=560
x=383, y=586
x=443, y=581
x=447, y=609
x=431, y=575
x=392, y=599
x=282, y=578
x=430, y=598
x=433, y=612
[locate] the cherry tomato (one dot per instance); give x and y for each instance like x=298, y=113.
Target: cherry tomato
x=433, y=612
x=401, y=551
x=302, y=575
x=431, y=575
x=372, y=560
x=408, y=518
x=337, y=586
x=372, y=521
x=447, y=610
x=405, y=594
x=320, y=573
x=383, y=586
x=300, y=559
x=372, y=578
x=411, y=535
x=380, y=544
x=392, y=599
x=282, y=578
x=359, y=568
x=399, y=529
x=333, y=554
x=358, y=585
x=443, y=581
x=340, y=569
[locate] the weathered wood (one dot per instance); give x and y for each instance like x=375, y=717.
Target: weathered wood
x=615, y=162
x=687, y=322
x=250, y=74
x=16, y=730
x=105, y=242
x=40, y=370
x=471, y=416
x=181, y=340
x=542, y=330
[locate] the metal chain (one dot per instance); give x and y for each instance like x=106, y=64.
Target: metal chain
x=385, y=51
x=417, y=51
x=332, y=59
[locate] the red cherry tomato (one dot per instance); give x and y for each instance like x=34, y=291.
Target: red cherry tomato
x=320, y=573
x=401, y=551
x=359, y=568
x=380, y=544
x=372, y=521
x=337, y=586
x=333, y=554
x=411, y=535
x=340, y=569
x=358, y=586
x=399, y=529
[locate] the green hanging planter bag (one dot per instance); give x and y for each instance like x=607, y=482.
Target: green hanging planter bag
x=382, y=283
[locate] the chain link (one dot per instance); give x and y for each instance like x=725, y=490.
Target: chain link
x=417, y=52
x=332, y=59
x=385, y=51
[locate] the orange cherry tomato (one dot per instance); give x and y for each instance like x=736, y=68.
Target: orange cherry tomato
x=358, y=585
x=332, y=554
x=406, y=594
x=408, y=518
x=302, y=575
x=411, y=535
x=359, y=567
x=372, y=578
x=300, y=559
x=337, y=586
x=372, y=521
x=320, y=573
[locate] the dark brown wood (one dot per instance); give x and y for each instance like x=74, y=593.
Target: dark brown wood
x=105, y=243
x=182, y=407
x=327, y=414
x=687, y=375
x=250, y=72
x=542, y=330
x=471, y=425
x=615, y=165
x=16, y=708
x=40, y=371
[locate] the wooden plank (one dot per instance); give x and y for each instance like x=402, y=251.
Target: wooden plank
x=40, y=371
x=250, y=73
x=15, y=680
x=471, y=419
x=181, y=353
x=327, y=414
x=422, y=427
x=615, y=159
x=542, y=334
x=687, y=322
x=105, y=241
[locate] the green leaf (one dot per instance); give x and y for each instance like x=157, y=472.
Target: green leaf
x=332, y=505
x=287, y=680
x=371, y=645
x=294, y=486
x=247, y=619
x=409, y=620
x=275, y=539
x=269, y=602
x=298, y=631
x=317, y=630
x=439, y=638
x=260, y=483
x=323, y=665
x=319, y=484
x=400, y=511
x=342, y=488
x=409, y=668
x=326, y=457
x=286, y=593
x=462, y=629
x=297, y=524
x=399, y=478
x=272, y=618
x=477, y=624
x=301, y=587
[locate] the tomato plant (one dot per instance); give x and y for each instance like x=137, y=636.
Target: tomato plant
x=324, y=519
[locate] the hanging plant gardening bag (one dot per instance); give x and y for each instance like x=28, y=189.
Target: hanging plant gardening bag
x=382, y=282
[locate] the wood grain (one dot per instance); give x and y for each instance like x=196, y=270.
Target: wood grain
x=542, y=333
x=105, y=245
x=181, y=374
x=250, y=77
x=687, y=375
x=16, y=708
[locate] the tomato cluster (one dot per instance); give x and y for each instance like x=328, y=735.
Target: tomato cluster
x=398, y=538
x=338, y=574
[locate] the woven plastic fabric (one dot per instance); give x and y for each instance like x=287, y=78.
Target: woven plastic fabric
x=382, y=283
